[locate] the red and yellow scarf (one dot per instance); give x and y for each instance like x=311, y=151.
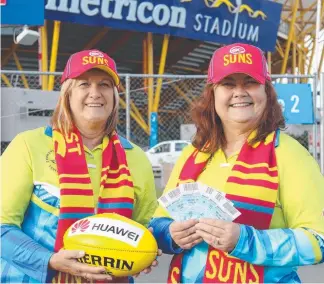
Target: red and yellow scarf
x=76, y=194
x=254, y=170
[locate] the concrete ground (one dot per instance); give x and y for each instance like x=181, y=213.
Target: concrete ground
x=309, y=274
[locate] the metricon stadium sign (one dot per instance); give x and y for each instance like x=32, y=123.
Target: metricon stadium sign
x=223, y=21
x=124, y=10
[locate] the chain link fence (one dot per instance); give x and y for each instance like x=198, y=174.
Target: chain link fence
x=176, y=97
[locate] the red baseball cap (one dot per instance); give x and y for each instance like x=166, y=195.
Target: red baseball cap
x=238, y=58
x=85, y=60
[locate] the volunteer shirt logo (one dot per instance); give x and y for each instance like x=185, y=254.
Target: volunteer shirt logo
x=50, y=160
x=109, y=228
x=81, y=226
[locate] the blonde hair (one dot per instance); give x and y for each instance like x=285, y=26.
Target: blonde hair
x=62, y=118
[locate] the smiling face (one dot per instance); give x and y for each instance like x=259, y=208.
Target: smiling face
x=239, y=99
x=92, y=98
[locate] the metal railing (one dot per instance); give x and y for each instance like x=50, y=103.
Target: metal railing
x=177, y=95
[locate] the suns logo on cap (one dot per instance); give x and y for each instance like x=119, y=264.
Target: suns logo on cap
x=237, y=50
x=245, y=58
x=96, y=53
x=94, y=60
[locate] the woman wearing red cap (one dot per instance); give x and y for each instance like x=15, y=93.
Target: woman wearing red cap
x=76, y=168
x=266, y=175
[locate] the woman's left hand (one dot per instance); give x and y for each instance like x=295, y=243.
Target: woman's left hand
x=220, y=234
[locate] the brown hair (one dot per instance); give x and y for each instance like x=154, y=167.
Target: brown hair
x=62, y=119
x=210, y=134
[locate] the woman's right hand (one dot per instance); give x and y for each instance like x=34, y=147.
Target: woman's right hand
x=66, y=261
x=184, y=234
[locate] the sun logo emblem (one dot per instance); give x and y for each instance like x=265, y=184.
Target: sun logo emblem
x=236, y=8
x=81, y=226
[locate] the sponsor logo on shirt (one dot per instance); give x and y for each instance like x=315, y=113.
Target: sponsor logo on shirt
x=50, y=160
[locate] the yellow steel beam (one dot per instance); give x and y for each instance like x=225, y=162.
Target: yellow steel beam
x=279, y=49
x=286, y=18
x=290, y=36
x=164, y=53
x=302, y=16
x=309, y=70
x=150, y=70
x=294, y=57
x=303, y=23
x=308, y=9
x=145, y=64
x=307, y=31
x=303, y=59
x=139, y=122
x=312, y=28
x=7, y=56
x=187, y=90
x=294, y=40
x=98, y=37
x=23, y=77
x=137, y=113
x=55, y=43
x=6, y=80
x=301, y=10
x=44, y=48
x=182, y=94
x=301, y=4
x=311, y=7
x=120, y=42
x=301, y=62
x=300, y=57
x=287, y=9
x=134, y=107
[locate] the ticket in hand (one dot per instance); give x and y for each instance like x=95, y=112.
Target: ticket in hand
x=196, y=200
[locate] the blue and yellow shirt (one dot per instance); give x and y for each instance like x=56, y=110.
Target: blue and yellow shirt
x=31, y=201
x=296, y=234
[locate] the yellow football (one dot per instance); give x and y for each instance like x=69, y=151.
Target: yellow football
x=123, y=246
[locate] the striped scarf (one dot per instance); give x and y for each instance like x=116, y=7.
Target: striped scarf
x=252, y=186
x=76, y=194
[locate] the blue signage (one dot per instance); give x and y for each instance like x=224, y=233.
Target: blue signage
x=154, y=129
x=297, y=103
x=22, y=12
x=222, y=21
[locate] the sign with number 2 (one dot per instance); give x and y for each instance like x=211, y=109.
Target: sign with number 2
x=297, y=103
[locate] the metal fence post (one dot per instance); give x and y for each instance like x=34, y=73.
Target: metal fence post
x=127, y=107
x=322, y=121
